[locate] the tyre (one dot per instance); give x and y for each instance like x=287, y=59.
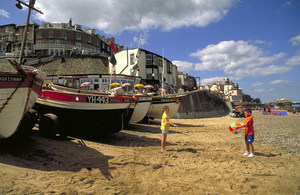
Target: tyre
x=49, y=125
x=33, y=117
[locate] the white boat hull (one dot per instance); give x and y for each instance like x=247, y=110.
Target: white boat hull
x=155, y=110
x=140, y=111
x=86, y=113
x=12, y=113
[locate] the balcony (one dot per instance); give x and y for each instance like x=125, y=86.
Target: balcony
x=53, y=46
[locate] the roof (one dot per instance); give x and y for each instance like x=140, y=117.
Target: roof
x=75, y=66
x=72, y=66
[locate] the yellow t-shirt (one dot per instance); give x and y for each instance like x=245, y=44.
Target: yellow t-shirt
x=164, y=125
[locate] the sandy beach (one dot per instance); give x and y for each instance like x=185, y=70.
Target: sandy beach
x=203, y=157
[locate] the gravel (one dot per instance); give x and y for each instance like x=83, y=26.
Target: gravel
x=280, y=131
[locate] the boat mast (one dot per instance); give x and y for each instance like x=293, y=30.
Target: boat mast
x=30, y=7
x=163, y=69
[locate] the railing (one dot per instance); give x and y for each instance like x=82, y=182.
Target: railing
x=53, y=46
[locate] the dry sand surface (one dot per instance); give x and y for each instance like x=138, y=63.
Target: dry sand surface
x=203, y=157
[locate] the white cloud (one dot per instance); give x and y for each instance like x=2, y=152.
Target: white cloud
x=276, y=82
x=183, y=66
x=4, y=13
x=261, y=42
x=295, y=40
x=257, y=84
x=238, y=59
x=144, y=38
x=263, y=90
x=295, y=60
x=211, y=80
x=114, y=16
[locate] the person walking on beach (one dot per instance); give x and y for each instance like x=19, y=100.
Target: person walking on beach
x=165, y=126
x=249, y=133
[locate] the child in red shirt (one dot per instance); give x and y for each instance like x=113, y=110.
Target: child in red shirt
x=249, y=133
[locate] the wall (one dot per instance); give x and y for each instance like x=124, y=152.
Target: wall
x=201, y=104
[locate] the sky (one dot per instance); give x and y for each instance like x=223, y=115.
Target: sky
x=256, y=43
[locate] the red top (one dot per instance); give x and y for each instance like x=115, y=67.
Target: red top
x=249, y=127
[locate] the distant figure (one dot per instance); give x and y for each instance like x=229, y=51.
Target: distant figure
x=249, y=133
x=269, y=110
x=165, y=126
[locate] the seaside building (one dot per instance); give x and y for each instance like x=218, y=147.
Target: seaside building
x=66, y=39
x=186, y=82
x=61, y=39
x=11, y=36
x=227, y=89
x=149, y=66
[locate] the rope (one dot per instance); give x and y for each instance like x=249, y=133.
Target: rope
x=7, y=100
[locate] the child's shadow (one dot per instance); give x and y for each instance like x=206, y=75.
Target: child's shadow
x=266, y=155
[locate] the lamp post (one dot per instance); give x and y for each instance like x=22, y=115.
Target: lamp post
x=199, y=81
x=30, y=7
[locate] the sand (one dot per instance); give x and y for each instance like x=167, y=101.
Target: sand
x=203, y=157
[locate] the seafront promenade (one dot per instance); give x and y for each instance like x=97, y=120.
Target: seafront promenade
x=203, y=157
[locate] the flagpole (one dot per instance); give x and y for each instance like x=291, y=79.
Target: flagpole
x=163, y=70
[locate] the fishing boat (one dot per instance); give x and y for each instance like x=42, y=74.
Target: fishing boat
x=18, y=93
x=163, y=99
x=86, y=113
x=142, y=102
x=158, y=102
x=141, y=108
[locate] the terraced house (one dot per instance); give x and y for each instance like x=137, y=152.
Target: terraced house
x=52, y=38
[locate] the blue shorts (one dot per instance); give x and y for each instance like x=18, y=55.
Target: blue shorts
x=249, y=138
x=164, y=132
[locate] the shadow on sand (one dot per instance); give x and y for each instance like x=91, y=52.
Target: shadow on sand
x=35, y=152
x=266, y=155
x=149, y=129
x=126, y=139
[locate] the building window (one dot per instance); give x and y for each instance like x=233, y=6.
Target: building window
x=131, y=58
x=160, y=62
x=149, y=59
x=64, y=35
x=6, y=29
x=51, y=42
x=51, y=51
x=40, y=35
x=149, y=76
x=103, y=45
x=64, y=25
x=89, y=39
x=78, y=46
x=51, y=34
x=169, y=67
x=78, y=36
x=155, y=60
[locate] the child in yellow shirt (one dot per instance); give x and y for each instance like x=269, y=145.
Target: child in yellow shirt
x=165, y=126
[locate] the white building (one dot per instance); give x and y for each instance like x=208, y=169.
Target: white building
x=228, y=89
x=150, y=66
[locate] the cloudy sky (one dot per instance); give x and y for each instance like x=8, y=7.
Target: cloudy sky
x=254, y=42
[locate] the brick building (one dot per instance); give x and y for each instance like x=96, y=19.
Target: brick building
x=11, y=36
x=52, y=38
x=65, y=38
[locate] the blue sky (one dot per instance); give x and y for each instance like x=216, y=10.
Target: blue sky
x=254, y=42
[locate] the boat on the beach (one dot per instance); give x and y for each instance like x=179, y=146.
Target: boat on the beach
x=18, y=93
x=140, y=107
x=84, y=113
x=158, y=102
